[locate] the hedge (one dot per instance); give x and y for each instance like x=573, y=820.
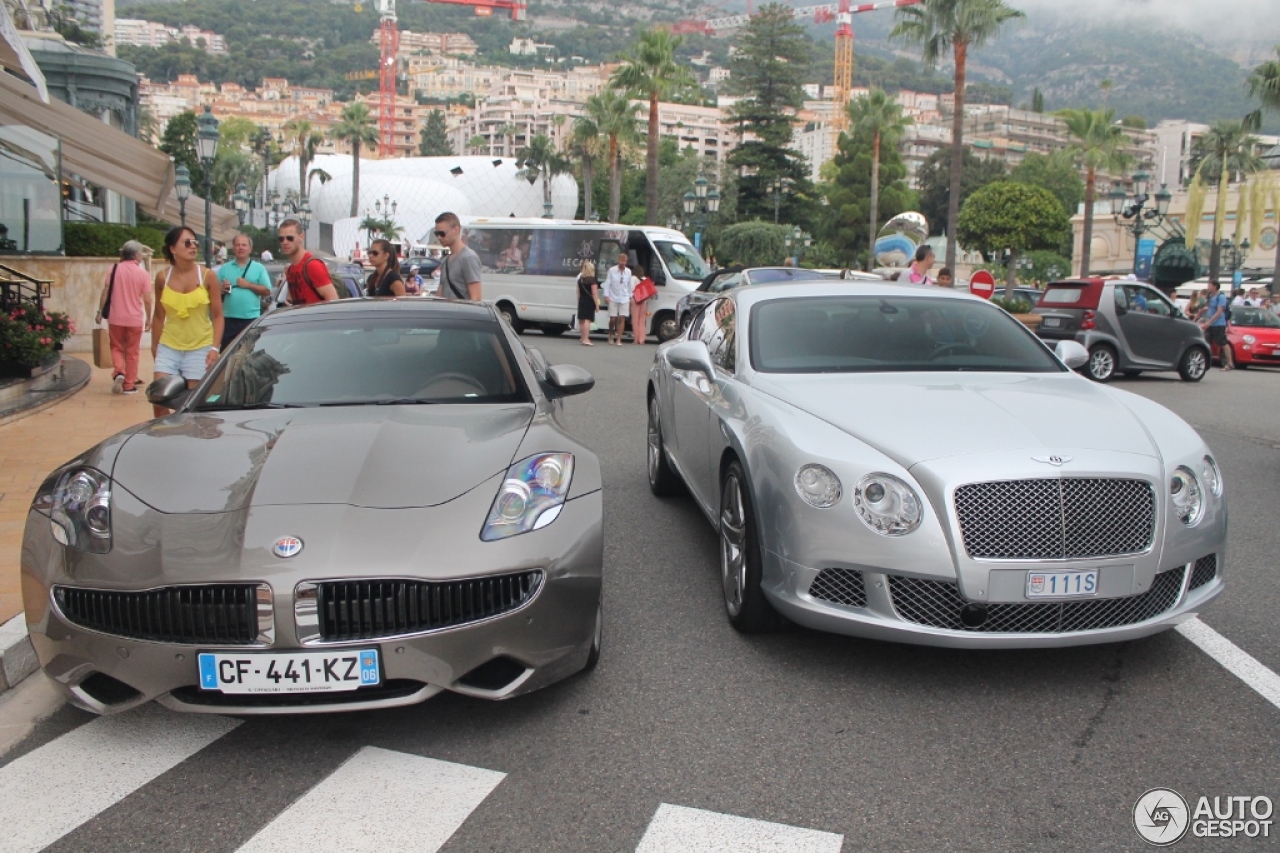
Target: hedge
x=103, y=239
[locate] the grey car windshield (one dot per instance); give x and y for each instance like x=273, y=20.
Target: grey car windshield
x=366, y=362
x=853, y=334
x=683, y=260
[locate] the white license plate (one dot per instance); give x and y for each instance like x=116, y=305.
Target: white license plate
x=289, y=672
x=1062, y=584
x=1051, y=321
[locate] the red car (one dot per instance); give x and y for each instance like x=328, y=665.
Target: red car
x=1253, y=335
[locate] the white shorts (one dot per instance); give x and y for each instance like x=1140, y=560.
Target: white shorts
x=619, y=309
x=189, y=364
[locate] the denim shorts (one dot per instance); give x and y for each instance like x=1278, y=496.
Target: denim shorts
x=189, y=364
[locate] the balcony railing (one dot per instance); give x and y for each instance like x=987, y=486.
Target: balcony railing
x=16, y=287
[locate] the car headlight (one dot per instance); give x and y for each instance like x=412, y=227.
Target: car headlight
x=818, y=486
x=1212, y=476
x=1187, y=496
x=887, y=505
x=530, y=497
x=1249, y=339
x=78, y=503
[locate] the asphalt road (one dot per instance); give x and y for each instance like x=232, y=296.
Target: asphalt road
x=895, y=747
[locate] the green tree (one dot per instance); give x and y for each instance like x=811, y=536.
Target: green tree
x=934, y=181
x=848, y=192
x=179, y=142
x=433, y=138
x=1010, y=217
x=305, y=141
x=236, y=132
x=651, y=71
x=1096, y=143
x=356, y=125
x=754, y=243
x=1264, y=84
x=936, y=25
x=540, y=161
x=477, y=143
x=879, y=116
x=586, y=143
x=615, y=116
x=1227, y=153
x=1037, y=101
x=1055, y=172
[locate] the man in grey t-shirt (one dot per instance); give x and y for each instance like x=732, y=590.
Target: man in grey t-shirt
x=460, y=272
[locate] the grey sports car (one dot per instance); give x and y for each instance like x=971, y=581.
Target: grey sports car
x=365, y=503
x=908, y=463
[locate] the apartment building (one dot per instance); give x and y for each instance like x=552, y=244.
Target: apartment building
x=443, y=44
x=140, y=33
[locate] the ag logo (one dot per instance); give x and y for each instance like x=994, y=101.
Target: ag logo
x=1053, y=459
x=287, y=546
x=1161, y=817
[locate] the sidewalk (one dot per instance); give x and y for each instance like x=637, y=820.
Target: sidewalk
x=32, y=447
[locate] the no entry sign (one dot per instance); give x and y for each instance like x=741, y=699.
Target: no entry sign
x=982, y=284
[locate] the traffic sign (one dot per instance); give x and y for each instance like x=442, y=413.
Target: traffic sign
x=982, y=284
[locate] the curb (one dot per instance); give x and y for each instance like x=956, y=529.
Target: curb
x=17, y=657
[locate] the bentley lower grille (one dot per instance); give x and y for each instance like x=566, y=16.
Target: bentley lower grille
x=368, y=609
x=938, y=604
x=841, y=586
x=1056, y=519
x=1205, y=570
x=215, y=614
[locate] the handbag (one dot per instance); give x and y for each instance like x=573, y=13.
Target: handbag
x=645, y=290
x=111, y=286
x=101, y=348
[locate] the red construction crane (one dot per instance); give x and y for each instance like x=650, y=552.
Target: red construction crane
x=389, y=42
x=519, y=8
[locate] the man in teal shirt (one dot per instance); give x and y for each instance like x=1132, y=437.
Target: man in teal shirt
x=244, y=283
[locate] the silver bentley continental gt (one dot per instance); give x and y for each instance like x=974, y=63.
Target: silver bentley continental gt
x=365, y=503
x=911, y=464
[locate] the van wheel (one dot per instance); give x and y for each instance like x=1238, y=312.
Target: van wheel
x=553, y=330
x=665, y=326
x=508, y=312
x=1194, y=365
x=1101, y=366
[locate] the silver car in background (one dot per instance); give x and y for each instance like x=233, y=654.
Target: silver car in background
x=365, y=503
x=911, y=464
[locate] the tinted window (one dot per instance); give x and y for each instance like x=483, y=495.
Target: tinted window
x=851, y=334
x=1062, y=296
x=770, y=275
x=725, y=282
x=1254, y=317
x=683, y=261
x=361, y=361
x=722, y=340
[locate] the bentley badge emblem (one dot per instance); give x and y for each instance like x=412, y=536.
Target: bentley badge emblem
x=287, y=546
x=1053, y=459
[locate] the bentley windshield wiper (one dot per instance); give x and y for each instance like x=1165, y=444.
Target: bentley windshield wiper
x=397, y=401
x=239, y=407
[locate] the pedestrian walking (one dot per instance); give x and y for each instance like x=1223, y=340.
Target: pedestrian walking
x=588, y=300
x=245, y=282
x=125, y=304
x=1215, y=323
x=415, y=284
x=460, y=271
x=385, y=279
x=306, y=274
x=641, y=293
x=618, y=284
x=918, y=273
x=187, y=326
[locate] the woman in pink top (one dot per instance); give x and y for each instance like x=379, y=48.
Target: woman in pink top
x=919, y=272
x=126, y=306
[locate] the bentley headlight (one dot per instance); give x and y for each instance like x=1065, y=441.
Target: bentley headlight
x=818, y=486
x=1212, y=476
x=78, y=503
x=1187, y=496
x=531, y=496
x=887, y=505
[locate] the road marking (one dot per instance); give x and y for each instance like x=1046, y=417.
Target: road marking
x=1234, y=659
x=677, y=829
x=380, y=800
x=55, y=788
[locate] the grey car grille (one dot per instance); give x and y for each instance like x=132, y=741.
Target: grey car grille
x=222, y=614
x=366, y=609
x=1205, y=570
x=1056, y=518
x=938, y=604
x=841, y=586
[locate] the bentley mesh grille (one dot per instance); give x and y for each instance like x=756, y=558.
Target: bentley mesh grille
x=363, y=610
x=938, y=603
x=1056, y=519
x=1205, y=570
x=223, y=614
x=842, y=586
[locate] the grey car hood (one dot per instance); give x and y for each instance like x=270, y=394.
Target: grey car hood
x=368, y=456
x=917, y=417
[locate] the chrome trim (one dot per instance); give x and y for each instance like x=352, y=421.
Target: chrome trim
x=306, y=613
x=266, y=601
x=427, y=691
x=264, y=604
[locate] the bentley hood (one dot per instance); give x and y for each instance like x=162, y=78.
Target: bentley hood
x=913, y=418
x=368, y=456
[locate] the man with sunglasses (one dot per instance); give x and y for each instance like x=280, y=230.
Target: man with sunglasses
x=460, y=272
x=307, y=275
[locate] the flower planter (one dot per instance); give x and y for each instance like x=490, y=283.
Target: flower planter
x=14, y=370
x=1031, y=321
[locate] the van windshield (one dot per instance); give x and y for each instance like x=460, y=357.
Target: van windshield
x=683, y=260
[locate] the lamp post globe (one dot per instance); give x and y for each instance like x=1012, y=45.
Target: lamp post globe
x=207, y=149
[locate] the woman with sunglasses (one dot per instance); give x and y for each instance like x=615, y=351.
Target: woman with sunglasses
x=188, y=314
x=385, y=279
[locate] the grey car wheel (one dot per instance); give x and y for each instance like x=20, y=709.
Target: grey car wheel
x=740, y=563
x=508, y=313
x=663, y=480
x=1194, y=365
x=1102, y=363
x=666, y=327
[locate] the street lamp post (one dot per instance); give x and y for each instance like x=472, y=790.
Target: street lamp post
x=1233, y=256
x=207, y=149
x=304, y=214
x=240, y=201
x=182, y=186
x=1135, y=208
x=797, y=242
x=702, y=200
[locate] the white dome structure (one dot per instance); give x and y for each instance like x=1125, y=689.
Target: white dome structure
x=422, y=188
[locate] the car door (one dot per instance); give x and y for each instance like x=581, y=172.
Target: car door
x=1148, y=323
x=724, y=400
x=691, y=393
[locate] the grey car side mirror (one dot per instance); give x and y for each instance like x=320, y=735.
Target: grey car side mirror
x=168, y=391
x=1071, y=353
x=690, y=355
x=565, y=380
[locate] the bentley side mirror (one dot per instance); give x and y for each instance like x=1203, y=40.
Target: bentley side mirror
x=690, y=355
x=565, y=380
x=1071, y=353
x=169, y=391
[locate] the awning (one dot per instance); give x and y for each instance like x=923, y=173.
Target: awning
x=15, y=56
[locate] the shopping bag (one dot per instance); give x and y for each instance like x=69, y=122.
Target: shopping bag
x=101, y=348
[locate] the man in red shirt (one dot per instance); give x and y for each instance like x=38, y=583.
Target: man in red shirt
x=307, y=275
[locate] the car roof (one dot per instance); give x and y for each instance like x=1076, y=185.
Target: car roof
x=747, y=296
x=419, y=306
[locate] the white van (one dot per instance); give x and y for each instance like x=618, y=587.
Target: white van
x=530, y=268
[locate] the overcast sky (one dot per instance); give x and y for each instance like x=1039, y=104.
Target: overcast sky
x=1251, y=19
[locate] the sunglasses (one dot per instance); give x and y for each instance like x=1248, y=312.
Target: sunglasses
x=441, y=233
x=375, y=254
x=190, y=244
x=287, y=239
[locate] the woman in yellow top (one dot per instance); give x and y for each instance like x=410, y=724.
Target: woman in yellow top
x=188, y=315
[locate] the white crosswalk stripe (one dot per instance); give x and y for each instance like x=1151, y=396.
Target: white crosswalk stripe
x=53, y=789
x=677, y=829
x=380, y=800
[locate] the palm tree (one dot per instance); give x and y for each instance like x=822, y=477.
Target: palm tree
x=1228, y=150
x=1096, y=146
x=358, y=127
x=651, y=71
x=477, y=142
x=1264, y=83
x=879, y=115
x=539, y=160
x=936, y=25
x=306, y=141
x=615, y=115
x=508, y=132
x=585, y=143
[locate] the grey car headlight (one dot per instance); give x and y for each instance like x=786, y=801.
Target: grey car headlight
x=530, y=497
x=1212, y=476
x=887, y=505
x=1186, y=496
x=78, y=503
x=818, y=486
